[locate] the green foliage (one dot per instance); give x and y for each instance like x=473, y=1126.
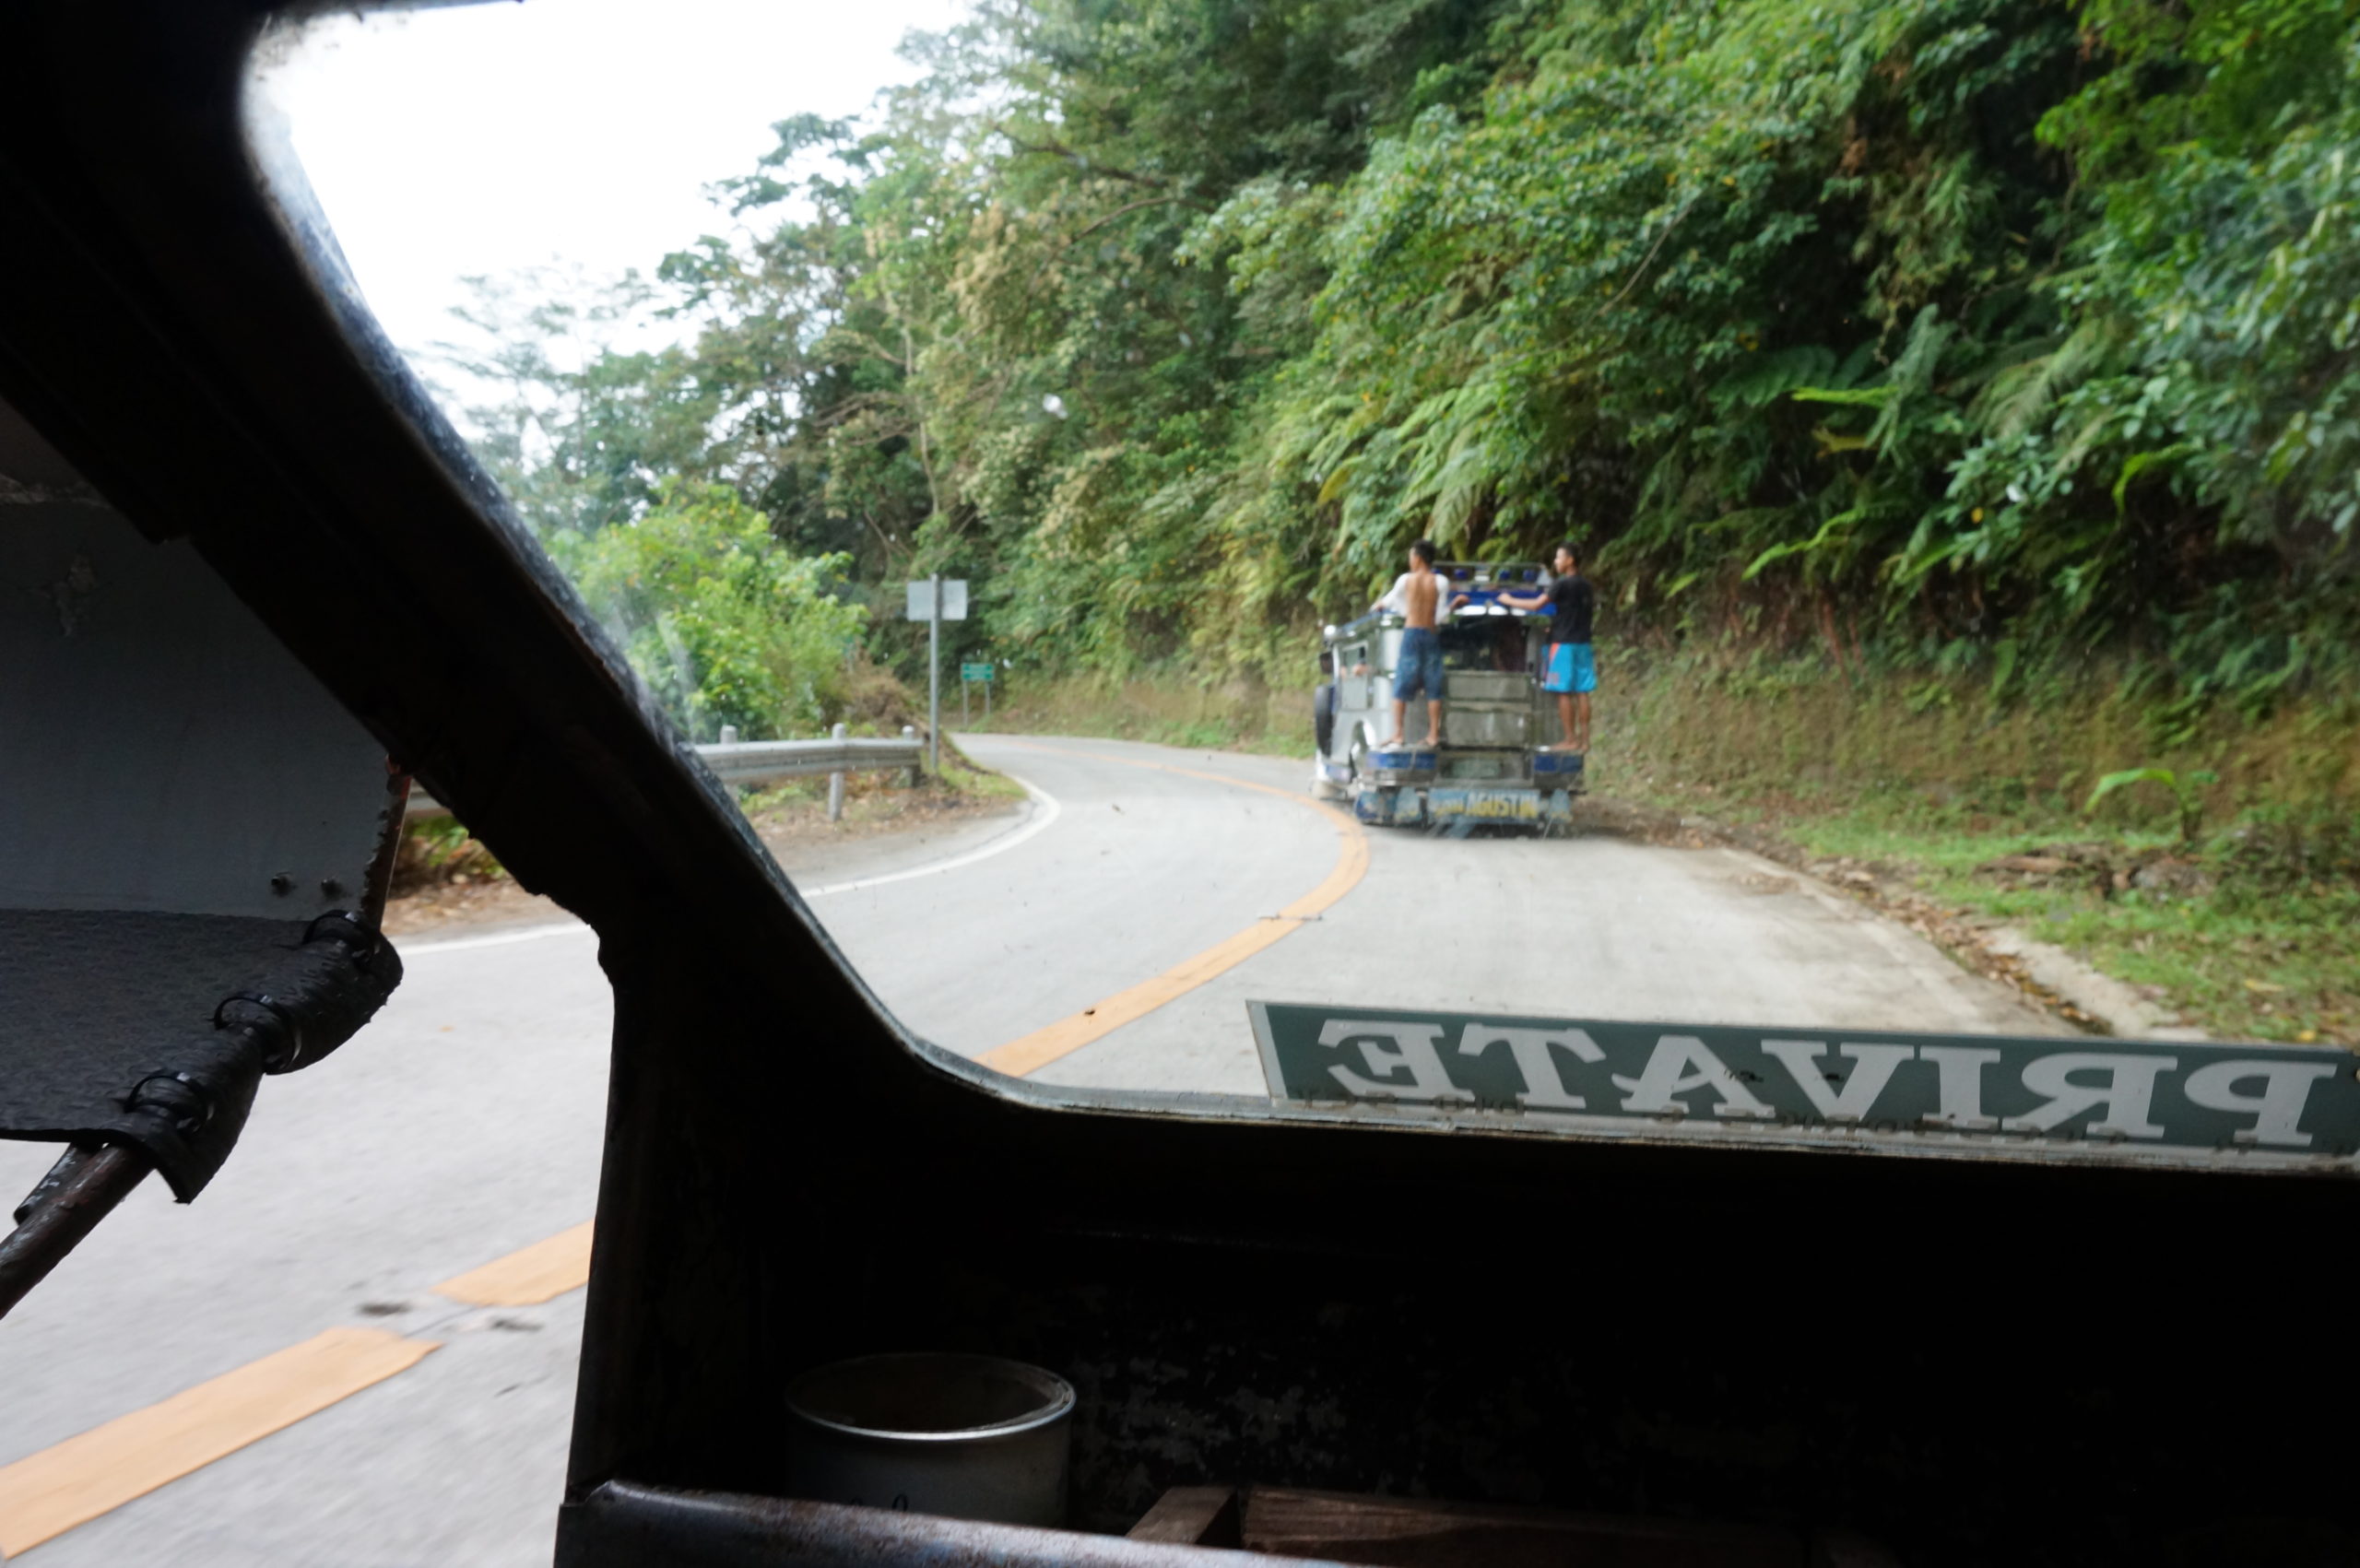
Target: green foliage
x=724, y=624
x=578, y=435
x=2250, y=933
x=437, y=850
x=2188, y=794
x=1974, y=334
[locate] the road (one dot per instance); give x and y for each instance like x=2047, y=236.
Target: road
x=463, y=1124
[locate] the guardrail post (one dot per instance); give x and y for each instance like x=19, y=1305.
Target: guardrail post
x=836, y=784
x=728, y=735
x=933, y=676
x=910, y=733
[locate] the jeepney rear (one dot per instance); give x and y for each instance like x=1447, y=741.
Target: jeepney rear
x=1490, y=765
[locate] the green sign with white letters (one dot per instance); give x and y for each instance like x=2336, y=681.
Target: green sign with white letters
x=2115, y=1101
x=975, y=672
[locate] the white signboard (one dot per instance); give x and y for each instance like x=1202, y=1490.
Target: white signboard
x=954, y=599
x=2111, y=1101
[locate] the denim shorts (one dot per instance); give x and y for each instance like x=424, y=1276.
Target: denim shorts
x=1418, y=667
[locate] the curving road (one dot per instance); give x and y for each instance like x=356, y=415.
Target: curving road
x=1157, y=856
x=1108, y=933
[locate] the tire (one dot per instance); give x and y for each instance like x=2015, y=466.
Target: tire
x=1322, y=718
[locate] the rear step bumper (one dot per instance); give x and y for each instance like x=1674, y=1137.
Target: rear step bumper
x=1438, y=805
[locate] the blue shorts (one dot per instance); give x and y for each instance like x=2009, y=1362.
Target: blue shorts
x=1418, y=667
x=1568, y=667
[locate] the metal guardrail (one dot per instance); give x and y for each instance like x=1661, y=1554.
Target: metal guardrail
x=744, y=764
x=759, y=762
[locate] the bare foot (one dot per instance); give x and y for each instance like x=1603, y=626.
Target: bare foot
x=1389, y=744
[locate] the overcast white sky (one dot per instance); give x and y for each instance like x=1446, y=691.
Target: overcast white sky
x=491, y=137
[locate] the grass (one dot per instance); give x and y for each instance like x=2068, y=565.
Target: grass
x=2244, y=959
x=1239, y=715
x=878, y=795
x=2259, y=940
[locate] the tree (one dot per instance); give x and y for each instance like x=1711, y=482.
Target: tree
x=724, y=624
x=1978, y=330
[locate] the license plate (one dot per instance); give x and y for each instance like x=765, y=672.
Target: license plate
x=1486, y=805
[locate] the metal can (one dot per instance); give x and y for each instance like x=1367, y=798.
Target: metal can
x=962, y=1436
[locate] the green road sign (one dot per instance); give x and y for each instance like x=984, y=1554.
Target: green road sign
x=2108, y=1102
x=975, y=672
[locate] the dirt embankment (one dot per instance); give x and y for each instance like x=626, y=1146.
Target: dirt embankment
x=447, y=883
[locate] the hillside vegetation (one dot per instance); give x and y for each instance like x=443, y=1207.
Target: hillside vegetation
x=1976, y=333
x=1956, y=399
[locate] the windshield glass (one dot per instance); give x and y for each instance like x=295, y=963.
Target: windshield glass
x=1477, y=564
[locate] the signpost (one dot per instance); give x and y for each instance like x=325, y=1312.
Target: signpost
x=2087, y=1101
x=974, y=672
x=934, y=601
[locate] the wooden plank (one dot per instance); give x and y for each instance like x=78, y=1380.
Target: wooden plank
x=1192, y=1515
x=1402, y=1532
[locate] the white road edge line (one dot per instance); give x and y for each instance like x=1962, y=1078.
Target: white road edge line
x=1046, y=810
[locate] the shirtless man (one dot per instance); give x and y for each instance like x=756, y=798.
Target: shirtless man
x=1420, y=596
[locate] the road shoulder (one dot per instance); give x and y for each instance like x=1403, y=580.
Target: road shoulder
x=884, y=833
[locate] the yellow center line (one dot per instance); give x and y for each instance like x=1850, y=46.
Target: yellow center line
x=1029, y=1053
x=47, y=1494
x=529, y=1276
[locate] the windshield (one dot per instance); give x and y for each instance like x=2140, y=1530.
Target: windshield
x=1148, y=544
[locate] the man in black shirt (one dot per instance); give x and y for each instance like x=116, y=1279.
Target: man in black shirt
x=1568, y=668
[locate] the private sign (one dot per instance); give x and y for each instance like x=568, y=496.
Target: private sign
x=1981, y=1096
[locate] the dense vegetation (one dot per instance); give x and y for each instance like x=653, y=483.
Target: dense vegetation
x=1973, y=336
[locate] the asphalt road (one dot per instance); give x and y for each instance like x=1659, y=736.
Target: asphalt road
x=463, y=1124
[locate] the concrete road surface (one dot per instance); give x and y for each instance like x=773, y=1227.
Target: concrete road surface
x=463, y=1124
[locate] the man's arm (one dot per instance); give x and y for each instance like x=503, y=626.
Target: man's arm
x=1540, y=600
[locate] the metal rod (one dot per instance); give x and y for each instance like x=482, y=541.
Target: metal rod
x=934, y=679
x=61, y=1171
x=80, y=1190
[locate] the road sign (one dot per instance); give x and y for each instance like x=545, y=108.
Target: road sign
x=934, y=601
x=976, y=672
x=2086, y=1101
x=920, y=602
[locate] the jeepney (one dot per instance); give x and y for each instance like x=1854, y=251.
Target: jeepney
x=1491, y=763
